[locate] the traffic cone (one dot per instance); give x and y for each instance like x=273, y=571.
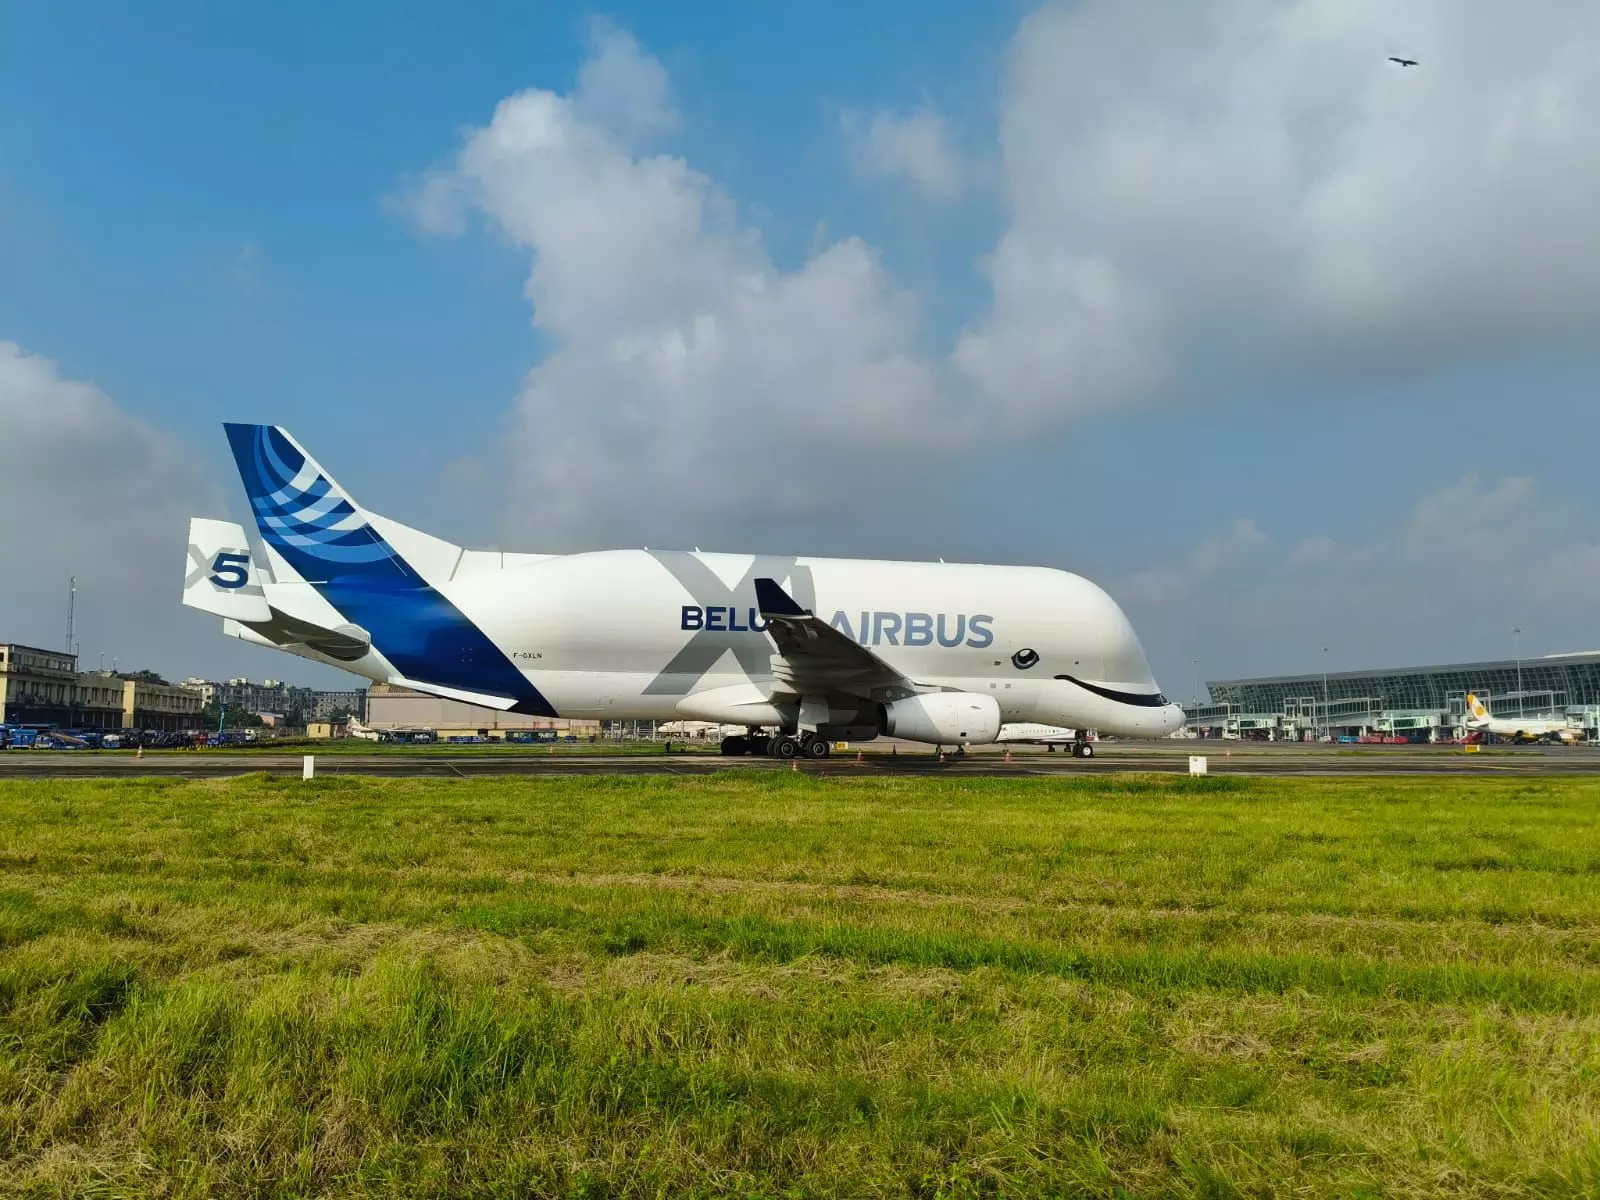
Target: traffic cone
x=858, y=756
x=941, y=756
x=139, y=751
x=1008, y=756
x=794, y=764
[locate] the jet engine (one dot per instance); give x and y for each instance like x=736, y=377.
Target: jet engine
x=944, y=718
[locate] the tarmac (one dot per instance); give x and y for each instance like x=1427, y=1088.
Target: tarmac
x=1222, y=758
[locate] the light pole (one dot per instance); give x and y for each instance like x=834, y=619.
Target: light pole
x=1516, y=632
x=1324, y=691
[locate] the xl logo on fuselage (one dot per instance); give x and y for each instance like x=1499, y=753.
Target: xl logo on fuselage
x=731, y=626
x=724, y=619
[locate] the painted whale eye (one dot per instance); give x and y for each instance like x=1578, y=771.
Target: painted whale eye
x=1024, y=658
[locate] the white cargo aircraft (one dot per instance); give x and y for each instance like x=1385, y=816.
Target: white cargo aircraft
x=1029, y=733
x=797, y=651
x=1520, y=729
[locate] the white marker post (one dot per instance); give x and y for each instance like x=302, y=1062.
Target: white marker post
x=1197, y=764
x=308, y=766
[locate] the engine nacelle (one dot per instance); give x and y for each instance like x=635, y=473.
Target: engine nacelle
x=944, y=719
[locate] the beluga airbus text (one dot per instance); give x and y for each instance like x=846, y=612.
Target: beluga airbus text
x=798, y=651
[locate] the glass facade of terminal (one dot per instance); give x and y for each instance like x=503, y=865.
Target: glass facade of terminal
x=1508, y=688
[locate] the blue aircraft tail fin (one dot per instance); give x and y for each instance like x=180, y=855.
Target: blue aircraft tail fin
x=304, y=515
x=354, y=561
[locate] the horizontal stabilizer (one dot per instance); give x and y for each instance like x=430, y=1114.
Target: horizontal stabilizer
x=219, y=577
x=344, y=643
x=502, y=703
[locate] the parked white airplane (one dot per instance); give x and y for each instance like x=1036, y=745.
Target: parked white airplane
x=1048, y=736
x=814, y=649
x=1522, y=729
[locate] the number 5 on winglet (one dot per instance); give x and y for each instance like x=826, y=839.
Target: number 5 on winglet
x=219, y=577
x=230, y=570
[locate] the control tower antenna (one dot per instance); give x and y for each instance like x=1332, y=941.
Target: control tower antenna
x=72, y=603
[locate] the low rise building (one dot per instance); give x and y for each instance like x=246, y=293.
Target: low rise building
x=275, y=696
x=330, y=704
x=44, y=687
x=288, y=701
x=166, y=707
x=392, y=707
x=99, y=700
x=270, y=695
x=206, y=689
x=37, y=686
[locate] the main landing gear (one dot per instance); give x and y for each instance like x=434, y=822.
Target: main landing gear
x=1077, y=749
x=783, y=745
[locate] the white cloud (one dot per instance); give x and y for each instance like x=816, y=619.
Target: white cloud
x=90, y=491
x=436, y=202
x=1443, y=581
x=1223, y=550
x=243, y=269
x=1253, y=186
x=914, y=147
x=693, y=389
x=623, y=89
x=1233, y=193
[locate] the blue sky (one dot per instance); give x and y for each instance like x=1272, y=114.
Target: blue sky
x=209, y=212
x=213, y=176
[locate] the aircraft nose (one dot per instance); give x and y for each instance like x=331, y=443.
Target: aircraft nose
x=1172, y=718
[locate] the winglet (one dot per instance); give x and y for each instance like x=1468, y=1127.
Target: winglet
x=773, y=601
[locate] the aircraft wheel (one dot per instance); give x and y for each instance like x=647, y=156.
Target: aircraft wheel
x=1082, y=750
x=817, y=748
x=784, y=746
x=735, y=745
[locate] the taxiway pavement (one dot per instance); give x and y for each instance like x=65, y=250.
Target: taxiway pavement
x=1165, y=758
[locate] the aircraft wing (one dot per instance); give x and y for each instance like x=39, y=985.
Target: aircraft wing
x=814, y=658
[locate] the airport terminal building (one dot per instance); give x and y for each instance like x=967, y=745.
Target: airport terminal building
x=1420, y=703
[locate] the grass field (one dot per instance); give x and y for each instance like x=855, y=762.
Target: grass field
x=784, y=986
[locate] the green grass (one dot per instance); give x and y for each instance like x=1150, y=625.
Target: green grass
x=780, y=985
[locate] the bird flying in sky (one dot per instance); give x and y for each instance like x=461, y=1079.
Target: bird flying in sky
x=1404, y=62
